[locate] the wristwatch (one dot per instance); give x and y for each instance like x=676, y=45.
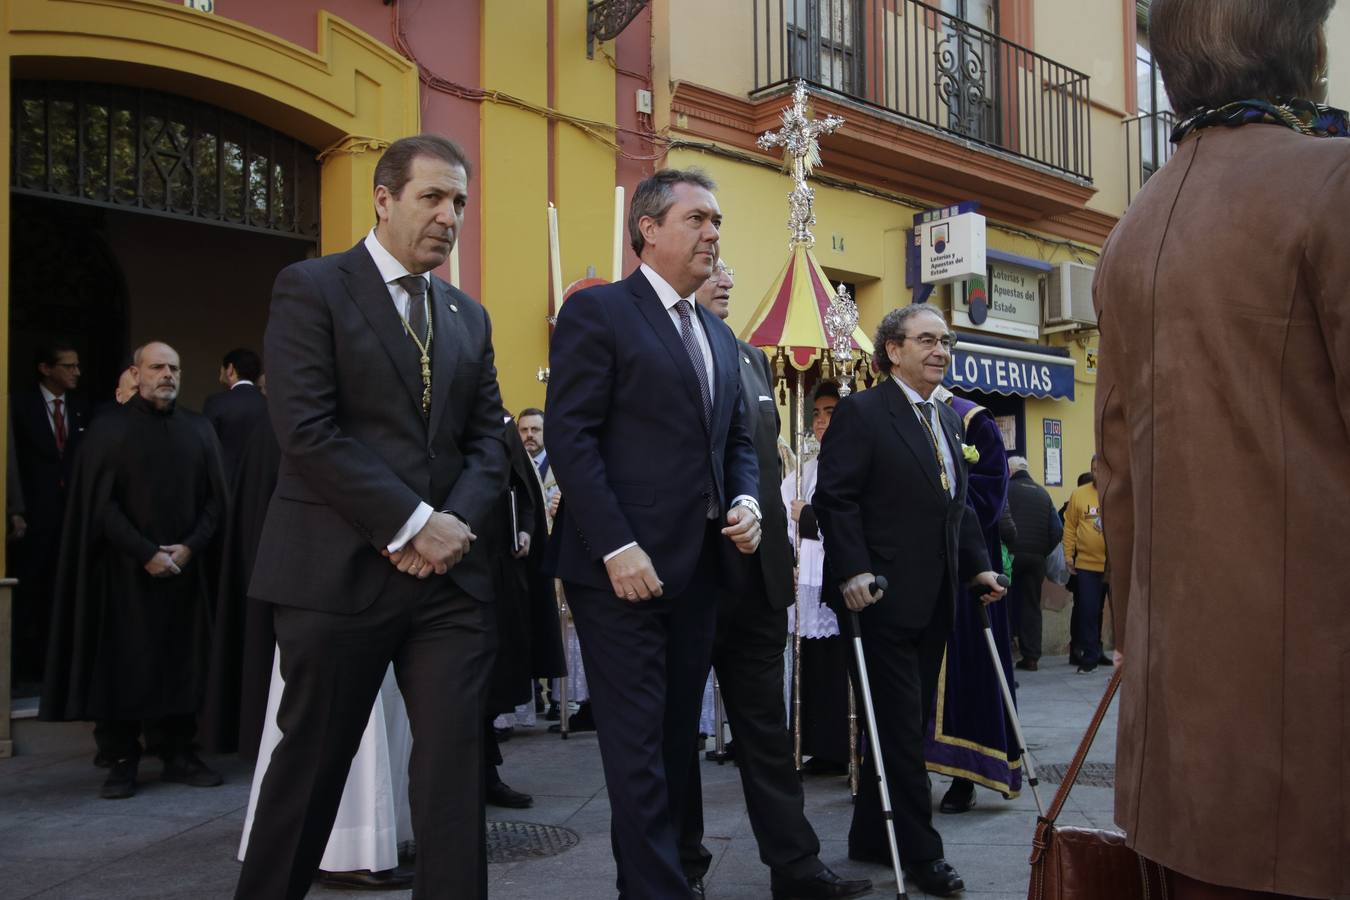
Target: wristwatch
x=751, y=504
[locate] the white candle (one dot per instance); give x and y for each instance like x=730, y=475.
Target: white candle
x=554, y=260
x=617, y=272
x=454, y=264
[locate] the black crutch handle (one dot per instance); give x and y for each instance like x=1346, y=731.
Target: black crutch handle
x=879, y=584
x=1003, y=582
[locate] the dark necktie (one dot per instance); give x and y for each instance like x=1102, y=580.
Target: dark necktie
x=701, y=373
x=695, y=357
x=416, y=286
x=59, y=425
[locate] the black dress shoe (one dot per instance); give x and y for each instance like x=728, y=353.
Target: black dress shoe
x=696, y=887
x=553, y=714
x=936, y=877
x=823, y=884
x=1086, y=668
x=400, y=879
x=500, y=794
x=1027, y=665
x=121, y=781
x=187, y=768
x=581, y=720
x=503, y=734
x=960, y=797
x=1105, y=661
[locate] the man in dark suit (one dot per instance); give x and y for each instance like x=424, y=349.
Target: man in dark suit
x=890, y=496
x=748, y=658
x=236, y=410
x=49, y=422
x=383, y=394
x=648, y=439
x=1039, y=532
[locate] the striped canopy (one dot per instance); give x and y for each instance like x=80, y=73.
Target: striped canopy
x=792, y=313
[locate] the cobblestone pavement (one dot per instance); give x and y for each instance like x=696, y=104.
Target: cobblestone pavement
x=59, y=840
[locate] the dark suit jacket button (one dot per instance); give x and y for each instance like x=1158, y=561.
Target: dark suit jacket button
x=431, y=453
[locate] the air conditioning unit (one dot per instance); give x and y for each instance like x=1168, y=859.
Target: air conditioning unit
x=1069, y=295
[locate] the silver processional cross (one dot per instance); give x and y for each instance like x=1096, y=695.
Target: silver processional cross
x=799, y=139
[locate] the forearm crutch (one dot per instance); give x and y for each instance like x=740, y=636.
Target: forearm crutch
x=1008, y=706
x=875, y=739
x=854, y=758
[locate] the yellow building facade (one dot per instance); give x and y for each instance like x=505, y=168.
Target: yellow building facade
x=550, y=115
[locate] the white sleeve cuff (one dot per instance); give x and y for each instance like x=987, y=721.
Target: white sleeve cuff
x=747, y=500
x=613, y=553
x=416, y=522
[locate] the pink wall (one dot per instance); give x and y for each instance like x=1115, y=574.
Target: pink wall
x=444, y=37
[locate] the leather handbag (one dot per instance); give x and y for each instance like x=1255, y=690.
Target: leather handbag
x=1069, y=863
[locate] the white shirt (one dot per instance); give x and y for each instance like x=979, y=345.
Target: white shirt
x=51, y=399
x=669, y=297
x=391, y=270
x=933, y=420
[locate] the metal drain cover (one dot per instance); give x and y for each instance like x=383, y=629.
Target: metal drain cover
x=519, y=841
x=1093, y=774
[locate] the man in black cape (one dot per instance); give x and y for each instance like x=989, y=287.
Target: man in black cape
x=527, y=612
x=242, y=638
x=130, y=624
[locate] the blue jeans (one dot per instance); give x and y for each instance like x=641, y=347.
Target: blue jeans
x=1085, y=624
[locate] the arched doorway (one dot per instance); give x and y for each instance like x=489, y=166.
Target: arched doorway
x=141, y=215
x=350, y=96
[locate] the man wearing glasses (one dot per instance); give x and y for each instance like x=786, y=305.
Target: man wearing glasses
x=49, y=422
x=890, y=500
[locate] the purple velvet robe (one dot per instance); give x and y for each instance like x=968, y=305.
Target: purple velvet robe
x=969, y=735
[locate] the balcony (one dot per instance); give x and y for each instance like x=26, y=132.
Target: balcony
x=933, y=69
x=1148, y=144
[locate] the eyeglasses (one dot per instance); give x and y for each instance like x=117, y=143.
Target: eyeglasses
x=928, y=341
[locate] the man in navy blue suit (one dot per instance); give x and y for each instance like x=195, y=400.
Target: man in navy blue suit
x=659, y=482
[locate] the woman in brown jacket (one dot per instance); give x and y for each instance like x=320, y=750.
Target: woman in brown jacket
x=1223, y=410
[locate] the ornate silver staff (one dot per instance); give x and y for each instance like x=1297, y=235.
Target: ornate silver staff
x=718, y=753
x=841, y=320
x=799, y=138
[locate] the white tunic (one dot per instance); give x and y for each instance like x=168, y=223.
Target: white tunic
x=374, y=817
x=818, y=620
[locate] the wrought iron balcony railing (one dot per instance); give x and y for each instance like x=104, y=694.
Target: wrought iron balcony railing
x=930, y=67
x=1148, y=144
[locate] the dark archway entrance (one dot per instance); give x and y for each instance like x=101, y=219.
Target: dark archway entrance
x=139, y=215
